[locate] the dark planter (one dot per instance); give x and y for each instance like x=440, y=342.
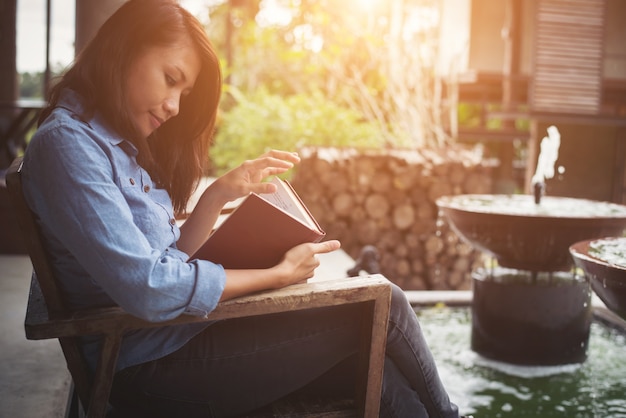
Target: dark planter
x=607, y=280
x=526, y=320
x=521, y=235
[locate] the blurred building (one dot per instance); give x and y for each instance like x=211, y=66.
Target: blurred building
x=529, y=64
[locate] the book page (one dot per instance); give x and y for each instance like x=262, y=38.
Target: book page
x=284, y=199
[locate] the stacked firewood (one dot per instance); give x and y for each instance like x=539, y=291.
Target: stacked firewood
x=387, y=199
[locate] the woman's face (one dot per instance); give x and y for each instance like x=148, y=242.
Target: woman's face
x=157, y=80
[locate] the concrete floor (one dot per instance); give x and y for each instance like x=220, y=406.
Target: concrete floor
x=34, y=381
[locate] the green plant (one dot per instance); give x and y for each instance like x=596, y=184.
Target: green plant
x=260, y=121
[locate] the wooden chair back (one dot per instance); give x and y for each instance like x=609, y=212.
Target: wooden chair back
x=34, y=245
x=47, y=317
x=46, y=299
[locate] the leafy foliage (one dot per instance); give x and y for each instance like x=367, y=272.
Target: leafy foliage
x=260, y=120
x=31, y=85
x=331, y=73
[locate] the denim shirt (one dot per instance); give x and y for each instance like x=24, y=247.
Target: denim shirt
x=111, y=234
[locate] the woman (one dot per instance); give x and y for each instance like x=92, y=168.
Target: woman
x=118, y=152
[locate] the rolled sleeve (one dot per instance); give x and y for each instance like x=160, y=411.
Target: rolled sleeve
x=207, y=293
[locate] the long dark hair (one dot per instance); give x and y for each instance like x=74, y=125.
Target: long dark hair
x=176, y=155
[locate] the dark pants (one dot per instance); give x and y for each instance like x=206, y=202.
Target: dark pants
x=238, y=365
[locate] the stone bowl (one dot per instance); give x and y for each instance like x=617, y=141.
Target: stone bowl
x=607, y=275
x=520, y=234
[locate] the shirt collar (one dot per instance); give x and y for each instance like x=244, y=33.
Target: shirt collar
x=73, y=102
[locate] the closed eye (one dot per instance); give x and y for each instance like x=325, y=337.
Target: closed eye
x=170, y=80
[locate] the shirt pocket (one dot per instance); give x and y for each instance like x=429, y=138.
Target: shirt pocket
x=150, y=207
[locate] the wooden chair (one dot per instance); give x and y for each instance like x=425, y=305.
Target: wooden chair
x=48, y=317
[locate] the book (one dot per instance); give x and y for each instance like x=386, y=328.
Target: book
x=261, y=229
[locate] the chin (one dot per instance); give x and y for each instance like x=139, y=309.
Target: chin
x=147, y=133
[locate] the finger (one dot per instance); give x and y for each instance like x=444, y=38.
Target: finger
x=263, y=167
x=327, y=246
x=283, y=155
x=276, y=163
x=262, y=188
x=282, y=160
x=269, y=171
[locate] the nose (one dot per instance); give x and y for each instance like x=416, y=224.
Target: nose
x=172, y=105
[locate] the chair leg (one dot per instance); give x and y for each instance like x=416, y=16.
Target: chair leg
x=374, y=341
x=73, y=407
x=103, y=379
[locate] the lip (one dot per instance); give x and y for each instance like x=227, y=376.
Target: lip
x=155, y=121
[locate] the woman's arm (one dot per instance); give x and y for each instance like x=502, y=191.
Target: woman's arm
x=107, y=227
x=297, y=265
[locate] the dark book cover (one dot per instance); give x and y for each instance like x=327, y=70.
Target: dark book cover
x=257, y=234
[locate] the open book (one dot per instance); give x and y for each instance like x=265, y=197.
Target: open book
x=258, y=233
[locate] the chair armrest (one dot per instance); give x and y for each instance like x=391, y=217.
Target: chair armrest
x=39, y=325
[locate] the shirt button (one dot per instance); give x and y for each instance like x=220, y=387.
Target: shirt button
x=146, y=189
x=132, y=181
x=172, y=221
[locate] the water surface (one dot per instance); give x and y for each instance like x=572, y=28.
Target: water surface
x=611, y=250
x=488, y=389
x=524, y=205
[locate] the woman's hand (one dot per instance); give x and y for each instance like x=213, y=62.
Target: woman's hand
x=297, y=265
x=248, y=177
x=237, y=183
x=300, y=262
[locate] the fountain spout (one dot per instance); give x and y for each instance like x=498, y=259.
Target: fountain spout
x=548, y=154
